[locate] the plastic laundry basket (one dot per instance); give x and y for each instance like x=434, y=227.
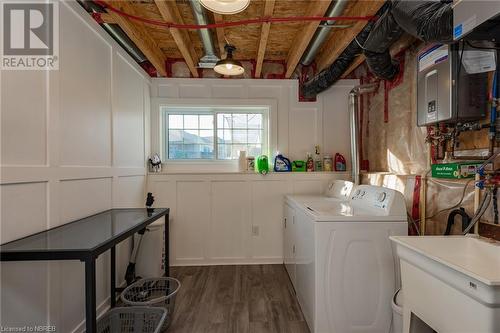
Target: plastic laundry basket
x=132, y=320
x=156, y=292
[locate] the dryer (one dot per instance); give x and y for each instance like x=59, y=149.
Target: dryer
x=345, y=269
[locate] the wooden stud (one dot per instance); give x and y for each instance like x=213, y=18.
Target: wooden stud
x=170, y=13
x=340, y=40
x=301, y=41
x=221, y=39
x=139, y=35
x=264, y=36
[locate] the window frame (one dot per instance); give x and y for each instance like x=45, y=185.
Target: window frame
x=166, y=110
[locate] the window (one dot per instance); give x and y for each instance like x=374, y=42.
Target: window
x=214, y=134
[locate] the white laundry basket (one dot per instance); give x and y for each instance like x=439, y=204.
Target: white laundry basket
x=151, y=254
x=397, y=312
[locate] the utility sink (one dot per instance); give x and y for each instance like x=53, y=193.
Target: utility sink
x=452, y=283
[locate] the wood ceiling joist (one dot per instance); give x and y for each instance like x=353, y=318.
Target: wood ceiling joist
x=170, y=13
x=138, y=34
x=221, y=39
x=340, y=40
x=301, y=41
x=264, y=36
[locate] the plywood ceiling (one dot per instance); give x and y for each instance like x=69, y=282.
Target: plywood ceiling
x=280, y=37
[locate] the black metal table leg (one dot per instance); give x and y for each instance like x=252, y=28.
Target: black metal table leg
x=113, y=277
x=90, y=296
x=167, y=255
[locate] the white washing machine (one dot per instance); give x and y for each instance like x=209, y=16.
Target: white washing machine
x=341, y=261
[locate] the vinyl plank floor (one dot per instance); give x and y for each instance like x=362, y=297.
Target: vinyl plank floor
x=236, y=299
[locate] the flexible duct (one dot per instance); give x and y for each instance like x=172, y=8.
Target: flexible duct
x=430, y=21
x=335, y=9
x=354, y=126
x=200, y=17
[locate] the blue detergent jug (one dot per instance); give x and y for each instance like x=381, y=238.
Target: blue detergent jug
x=282, y=164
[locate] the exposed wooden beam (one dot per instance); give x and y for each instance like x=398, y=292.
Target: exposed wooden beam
x=301, y=41
x=264, y=35
x=139, y=35
x=221, y=39
x=340, y=40
x=170, y=13
x=404, y=42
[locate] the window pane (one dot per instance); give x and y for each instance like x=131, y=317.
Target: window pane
x=224, y=120
x=206, y=136
x=191, y=136
x=239, y=136
x=224, y=152
x=224, y=136
x=175, y=136
x=191, y=121
x=239, y=120
x=175, y=121
x=254, y=150
x=255, y=121
x=236, y=149
x=175, y=152
x=207, y=151
x=254, y=136
x=206, y=122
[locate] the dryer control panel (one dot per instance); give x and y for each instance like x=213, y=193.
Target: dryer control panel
x=386, y=201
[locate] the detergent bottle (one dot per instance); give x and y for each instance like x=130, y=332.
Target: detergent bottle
x=282, y=164
x=340, y=164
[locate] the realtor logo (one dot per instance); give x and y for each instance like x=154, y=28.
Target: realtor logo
x=30, y=39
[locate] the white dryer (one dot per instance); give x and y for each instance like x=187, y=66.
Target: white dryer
x=343, y=264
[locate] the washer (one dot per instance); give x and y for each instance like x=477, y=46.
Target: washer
x=342, y=263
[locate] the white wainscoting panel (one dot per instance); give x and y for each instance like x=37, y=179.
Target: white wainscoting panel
x=230, y=218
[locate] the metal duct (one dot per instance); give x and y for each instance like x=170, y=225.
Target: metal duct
x=116, y=32
x=354, y=126
x=335, y=9
x=200, y=16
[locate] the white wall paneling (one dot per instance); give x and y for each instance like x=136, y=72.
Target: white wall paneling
x=73, y=143
x=230, y=218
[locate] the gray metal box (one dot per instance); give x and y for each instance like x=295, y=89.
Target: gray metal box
x=445, y=91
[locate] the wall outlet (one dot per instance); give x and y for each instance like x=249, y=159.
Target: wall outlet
x=255, y=230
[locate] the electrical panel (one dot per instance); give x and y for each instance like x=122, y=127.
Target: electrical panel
x=452, y=83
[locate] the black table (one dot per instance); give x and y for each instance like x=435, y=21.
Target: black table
x=85, y=240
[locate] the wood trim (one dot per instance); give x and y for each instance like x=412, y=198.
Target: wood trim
x=264, y=36
x=340, y=40
x=138, y=34
x=301, y=41
x=170, y=13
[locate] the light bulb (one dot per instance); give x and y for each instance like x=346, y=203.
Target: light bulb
x=229, y=66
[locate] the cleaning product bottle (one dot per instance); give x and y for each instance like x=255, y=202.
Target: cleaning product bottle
x=340, y=164
x=282, y=164
x=318, y=163
x=309, y=163
x=262, y=165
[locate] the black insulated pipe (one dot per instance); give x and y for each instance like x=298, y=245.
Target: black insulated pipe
x=327, y=77
x=430, y=21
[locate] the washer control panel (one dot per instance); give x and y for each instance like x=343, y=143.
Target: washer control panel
x=378, y=198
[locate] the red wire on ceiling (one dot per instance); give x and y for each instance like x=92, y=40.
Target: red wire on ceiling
x=232, y=23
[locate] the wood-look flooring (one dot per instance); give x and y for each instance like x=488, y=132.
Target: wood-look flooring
x=240, y=299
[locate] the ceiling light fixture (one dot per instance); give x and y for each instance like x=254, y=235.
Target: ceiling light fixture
x=225, y=7
x=229, y=66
